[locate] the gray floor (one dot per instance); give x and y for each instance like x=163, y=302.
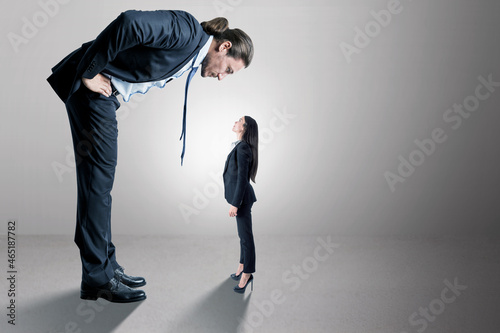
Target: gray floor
x=389, y=285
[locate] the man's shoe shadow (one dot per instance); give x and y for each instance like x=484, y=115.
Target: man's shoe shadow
x=66, y=312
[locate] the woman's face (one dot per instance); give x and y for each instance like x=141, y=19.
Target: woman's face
x=238, y=127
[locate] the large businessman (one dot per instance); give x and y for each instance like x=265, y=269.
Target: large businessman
x=137, y=51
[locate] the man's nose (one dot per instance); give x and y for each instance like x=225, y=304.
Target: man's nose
x=221, y=76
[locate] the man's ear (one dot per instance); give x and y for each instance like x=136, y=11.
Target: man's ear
x=226, y=45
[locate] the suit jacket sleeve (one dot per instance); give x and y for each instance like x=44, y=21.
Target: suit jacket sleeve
x=243, y=160
x=158, y=29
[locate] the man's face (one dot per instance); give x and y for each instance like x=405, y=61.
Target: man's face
x=218, y=64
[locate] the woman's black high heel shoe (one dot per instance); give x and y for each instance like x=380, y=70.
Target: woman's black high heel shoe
x=236, y=277
x=242, y=290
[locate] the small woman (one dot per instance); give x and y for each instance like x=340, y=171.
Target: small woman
x=241, y=167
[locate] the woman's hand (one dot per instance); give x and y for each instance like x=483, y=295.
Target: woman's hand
x=232, y=211
x=99, y=84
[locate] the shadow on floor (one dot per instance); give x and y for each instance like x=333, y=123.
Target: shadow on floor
x=221, y=311
x=66, y=312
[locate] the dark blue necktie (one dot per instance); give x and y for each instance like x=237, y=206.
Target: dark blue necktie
x=183, y=134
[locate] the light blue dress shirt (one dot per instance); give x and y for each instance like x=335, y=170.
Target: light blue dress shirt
x=234, y=144
x=127, y=89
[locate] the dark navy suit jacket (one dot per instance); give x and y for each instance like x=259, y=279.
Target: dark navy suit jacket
x=237, y=187
x=138, y=46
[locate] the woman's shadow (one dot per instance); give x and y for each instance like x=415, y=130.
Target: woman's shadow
x=221, y=311
x=66, y=312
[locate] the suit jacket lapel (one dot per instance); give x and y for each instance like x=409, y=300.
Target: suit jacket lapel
x=228, y=158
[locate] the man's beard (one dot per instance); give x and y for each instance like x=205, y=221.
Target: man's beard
x=204, y=65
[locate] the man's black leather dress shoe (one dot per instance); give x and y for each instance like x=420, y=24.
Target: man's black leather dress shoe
x=131, y=281
x=114, y=291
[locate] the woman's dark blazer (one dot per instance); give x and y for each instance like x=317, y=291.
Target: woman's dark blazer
x=237, y=187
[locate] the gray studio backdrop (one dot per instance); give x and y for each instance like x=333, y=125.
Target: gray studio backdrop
x=376, y=117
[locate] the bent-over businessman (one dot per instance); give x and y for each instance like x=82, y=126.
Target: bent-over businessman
x=137, y=51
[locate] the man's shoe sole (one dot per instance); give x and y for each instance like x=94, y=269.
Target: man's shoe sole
x=93, y=297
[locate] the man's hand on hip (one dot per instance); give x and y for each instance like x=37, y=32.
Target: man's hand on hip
x=99, y=84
